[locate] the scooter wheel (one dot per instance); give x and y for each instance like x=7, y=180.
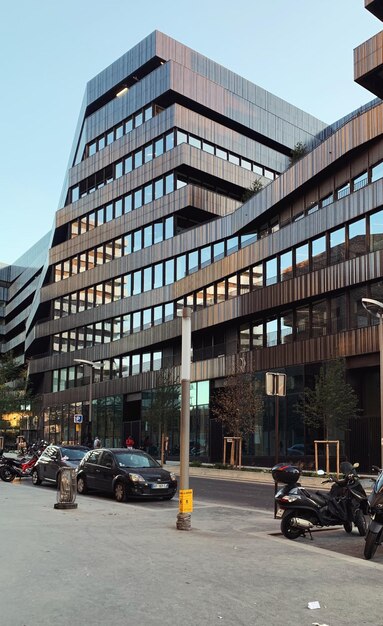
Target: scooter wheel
x=6, y=474
x=289, y=531
x=348, y=527
x=360, y=523
x=372, y=542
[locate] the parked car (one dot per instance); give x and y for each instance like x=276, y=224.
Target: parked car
x=299, y=449
x=127, y=473
x=53, y=459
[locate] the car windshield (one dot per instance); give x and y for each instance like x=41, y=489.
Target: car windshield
x=71, y=454
x=127, y=459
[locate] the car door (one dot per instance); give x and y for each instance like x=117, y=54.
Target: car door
x=91, y=469
x=53, y=465
x=105, y=472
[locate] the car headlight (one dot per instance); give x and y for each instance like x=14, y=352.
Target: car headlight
x=173, y=476
x=136, y=478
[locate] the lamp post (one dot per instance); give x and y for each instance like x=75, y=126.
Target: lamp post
x=92, y=365
x=375, y=308
x=186, y=494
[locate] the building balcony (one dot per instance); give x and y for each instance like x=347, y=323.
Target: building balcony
x=368, y=65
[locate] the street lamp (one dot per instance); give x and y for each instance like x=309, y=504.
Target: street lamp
x=93, y=366
x=375, y=308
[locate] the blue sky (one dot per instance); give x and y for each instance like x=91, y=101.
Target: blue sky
x=300, y=50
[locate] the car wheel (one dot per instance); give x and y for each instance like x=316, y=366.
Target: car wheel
x=35, y=477
x=81, y=485
x=120, y=492
x=360, y=523
x=6, y=474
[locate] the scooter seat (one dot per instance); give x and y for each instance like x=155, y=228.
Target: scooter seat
x=319, y=498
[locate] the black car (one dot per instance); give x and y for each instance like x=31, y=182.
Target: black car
x=53, y=459
x=125, y=473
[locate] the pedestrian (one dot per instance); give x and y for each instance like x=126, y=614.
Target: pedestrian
x=146, y=445
x=97, y=442
x=129, y=442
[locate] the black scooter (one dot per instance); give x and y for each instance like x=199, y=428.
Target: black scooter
x=301, y=511
x=375, y=530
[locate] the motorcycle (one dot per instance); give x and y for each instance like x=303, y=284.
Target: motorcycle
x=301, y=511
x=11, y=468
x=375, y=530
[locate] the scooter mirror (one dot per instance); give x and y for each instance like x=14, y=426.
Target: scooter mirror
x=320, y=472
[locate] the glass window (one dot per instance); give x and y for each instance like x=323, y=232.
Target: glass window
x=181, y=181
x=244, y=337
x=271, y=271
x=257, y=169
x=232, y=245
x=319, y=319
x=257, y=272
x=148, y=153
x=360, y=181
x=146, y=357
x=146, y=318
x=136, y=282
x=138, y=119
x=357, y=238
x=116, y=329
x=126, y=324
x=128, y=203
x=246, y=164
x=286, y=265
x=118, y=248
x=338, y=314
x=157, y=360
x=158, y=188
x=158, y=232
x=244, y=282
x=312, y=208
x=302, y=322
x=169, y=141
x=258, y=335
x=137, y=159
x=135, y=364
x=343, y=191
x=338, y=245
x=210, y=295
x=136, y=317
x=169, y=311
x=205, y=256
x=232, y=286
x=302, y=259
x=272, y=332
x=377, y=172
x=119, y=131
x=207, y=147
x=318, y=253
x=98, y=333
x=180, y=267
x=169, y=272
x=199, y=300
x=181, y=137
x=118, y=208
x=157, y=315
x=169, y=183
x=128, y=164
x=137, y=240
x=193, y=261
x=127, y=286
x=268, y=174
x=328, y=200
x=159, y=147
x=376, y=231
x=101, y=143
x=100, y=216
x=287, y=327
x=195, y=142
x=246, y=240
x=219, y=250
x=222, y=154
x=221, y=291
x=128, y=125
x=118, y=170
x=359, y=317
x=169, y=227
x=148, y=236
x=125, y=366
x=75, y=194
x=110, y=137
x=148, y=113
x=147, y=278
x=158, y=275
x=138, y=199
x=109, y=212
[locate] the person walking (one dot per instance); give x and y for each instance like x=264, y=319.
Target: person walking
x=97, y=442
x=129, y=442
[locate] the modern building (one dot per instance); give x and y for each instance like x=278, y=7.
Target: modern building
x=153, y=219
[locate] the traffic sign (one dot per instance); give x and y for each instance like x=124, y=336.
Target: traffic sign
x=78, y=419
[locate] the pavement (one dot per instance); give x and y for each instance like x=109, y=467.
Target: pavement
x=122, y=564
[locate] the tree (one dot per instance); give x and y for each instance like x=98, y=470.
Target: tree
x=238, y=405
x=254, y=188
x=331, y=402
x=299, y=151
x=164, y=408
x=13, y=386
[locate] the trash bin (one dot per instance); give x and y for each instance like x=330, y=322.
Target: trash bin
x=66, y=489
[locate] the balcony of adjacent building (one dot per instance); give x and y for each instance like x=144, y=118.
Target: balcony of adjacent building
x=368, y=64
x=375, y=7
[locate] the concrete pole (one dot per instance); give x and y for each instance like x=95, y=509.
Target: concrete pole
x=184, y=519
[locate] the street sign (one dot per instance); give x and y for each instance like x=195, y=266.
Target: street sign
x=78, y=419
x=275, y=384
